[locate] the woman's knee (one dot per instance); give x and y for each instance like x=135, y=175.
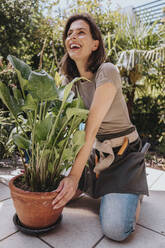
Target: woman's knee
x=117, y=232
x=117, y=215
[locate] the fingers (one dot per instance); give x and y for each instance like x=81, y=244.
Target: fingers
x=66, y=191
x=62, y=202
x=61, y=185
x=59, y=197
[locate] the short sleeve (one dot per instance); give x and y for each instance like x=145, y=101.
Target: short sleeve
x=108, y=72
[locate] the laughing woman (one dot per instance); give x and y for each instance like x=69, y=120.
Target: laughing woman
x=116, y=171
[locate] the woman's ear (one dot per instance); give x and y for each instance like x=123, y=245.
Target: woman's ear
x=95, y=45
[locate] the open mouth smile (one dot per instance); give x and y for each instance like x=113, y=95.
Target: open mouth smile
x=75, y=46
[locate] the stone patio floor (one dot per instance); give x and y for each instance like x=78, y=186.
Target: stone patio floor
x=80, y=227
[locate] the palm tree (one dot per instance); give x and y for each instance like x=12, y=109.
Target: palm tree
x=138, y=48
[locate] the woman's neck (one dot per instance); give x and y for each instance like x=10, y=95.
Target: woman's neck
x=83, y=72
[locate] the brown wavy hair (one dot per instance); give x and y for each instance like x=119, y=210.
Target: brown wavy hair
x=68, y=66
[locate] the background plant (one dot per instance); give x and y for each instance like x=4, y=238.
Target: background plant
x=7, y=147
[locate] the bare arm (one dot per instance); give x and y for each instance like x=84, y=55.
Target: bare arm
x=101, y=103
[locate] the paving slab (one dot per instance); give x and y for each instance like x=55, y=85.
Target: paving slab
x=159, y=185
x=20, y=240
x=153, y=175
x=80, y=226
x=142, y=238
x=8, y=173
x=152, y=213
x=7, y=226
x=4, y=192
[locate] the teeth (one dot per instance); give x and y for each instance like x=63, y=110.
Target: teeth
x=74, y=45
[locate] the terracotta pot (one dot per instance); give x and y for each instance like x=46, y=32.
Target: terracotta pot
x=34, y=209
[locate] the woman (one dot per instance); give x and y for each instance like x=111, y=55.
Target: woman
x=116, y=170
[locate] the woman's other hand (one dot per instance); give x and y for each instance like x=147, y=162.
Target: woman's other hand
x=66, y=190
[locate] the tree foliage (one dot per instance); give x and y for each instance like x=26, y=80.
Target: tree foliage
x=15, y=24
x=32, y=31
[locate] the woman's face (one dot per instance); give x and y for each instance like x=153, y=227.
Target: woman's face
x=79, y=42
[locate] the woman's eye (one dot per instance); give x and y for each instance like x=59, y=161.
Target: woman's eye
x=68, y=34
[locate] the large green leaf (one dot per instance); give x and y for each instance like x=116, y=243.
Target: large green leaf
x=30, y=103
x=8, y=100
x=21, y=142
x=22, y=69
x=18, y=96
x=67, y=90
x=61, y=91
x=42, y=129
x=76, y=111
x=78, y=140
x=76, y=103
x=68, y=154
x=42, y=86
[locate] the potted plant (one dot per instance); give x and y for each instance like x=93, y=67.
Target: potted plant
x=47, y=128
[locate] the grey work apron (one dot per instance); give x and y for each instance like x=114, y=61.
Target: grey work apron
x=125, y=175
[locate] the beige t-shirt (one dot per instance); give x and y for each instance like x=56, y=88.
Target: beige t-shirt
x=117, y=118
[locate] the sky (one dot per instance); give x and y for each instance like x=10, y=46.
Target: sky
x=118, y=3
x=125, y=3
x=115, y=4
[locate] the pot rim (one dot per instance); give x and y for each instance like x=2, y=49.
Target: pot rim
x=29, y=193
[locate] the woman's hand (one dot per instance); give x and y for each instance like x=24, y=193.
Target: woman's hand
x=66, y=190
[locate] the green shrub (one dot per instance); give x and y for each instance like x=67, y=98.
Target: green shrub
x=149, y=118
